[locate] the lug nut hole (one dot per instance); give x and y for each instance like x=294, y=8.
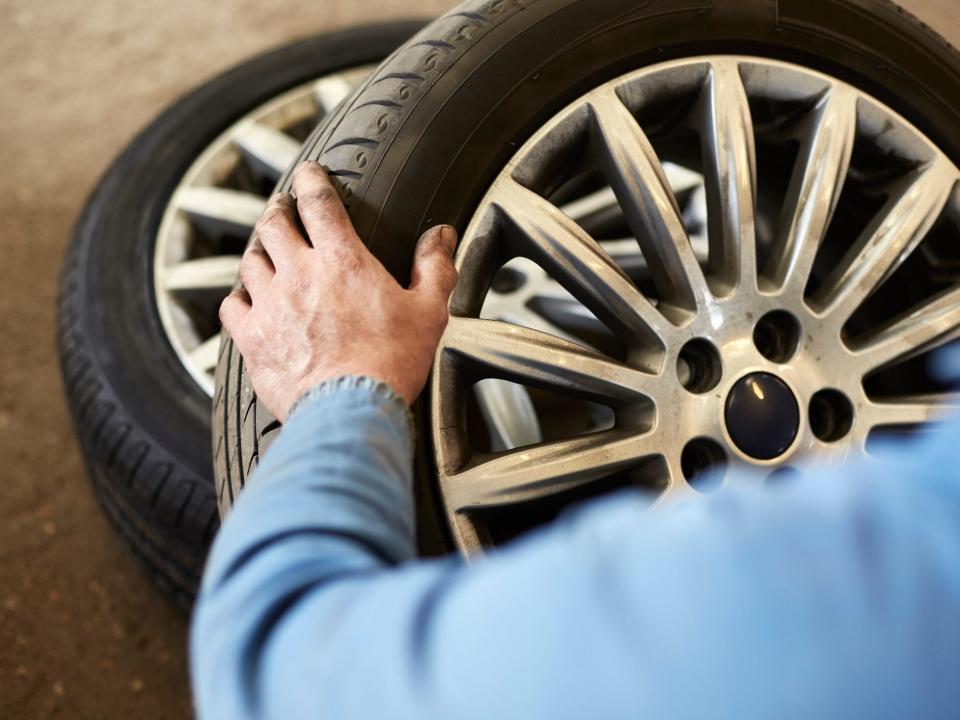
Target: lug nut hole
x=699, y=367
x=781, y=475
x=831, y=415
x=777, y=336
x=703, y=462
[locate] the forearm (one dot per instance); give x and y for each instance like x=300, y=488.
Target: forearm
x=341, y=467
x=832, y=597
x=332, y=498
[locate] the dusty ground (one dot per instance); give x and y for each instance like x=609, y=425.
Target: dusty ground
x=82, y=634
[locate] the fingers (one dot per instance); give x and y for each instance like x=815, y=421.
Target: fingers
x=434, y=274
x=256, y=269
x=233, y=311
x=277, y=230
x=321, y=210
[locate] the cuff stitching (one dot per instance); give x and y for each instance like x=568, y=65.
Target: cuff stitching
x=346, y=383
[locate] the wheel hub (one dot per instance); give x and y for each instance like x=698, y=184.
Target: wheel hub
x=762, y=415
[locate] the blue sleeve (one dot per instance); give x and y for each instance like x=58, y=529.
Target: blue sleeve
x=837, y=596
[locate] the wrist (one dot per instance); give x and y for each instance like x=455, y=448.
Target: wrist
x=364, y=386
x=402, y=389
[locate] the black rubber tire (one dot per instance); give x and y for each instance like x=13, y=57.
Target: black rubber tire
x=421, y=141
x=142, y=421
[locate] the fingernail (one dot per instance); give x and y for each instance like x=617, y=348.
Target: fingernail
x=310, y=164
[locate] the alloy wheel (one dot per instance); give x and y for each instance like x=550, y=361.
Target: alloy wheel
x=831, y=268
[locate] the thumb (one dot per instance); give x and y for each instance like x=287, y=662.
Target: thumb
x=434, y=274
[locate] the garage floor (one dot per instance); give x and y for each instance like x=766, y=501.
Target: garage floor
x=82, y=633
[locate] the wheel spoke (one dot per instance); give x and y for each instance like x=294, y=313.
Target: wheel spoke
x=568, y=312
x=511, y=352
x=622, y=250
x=650, y=208
x=268, y=150
x=514, y=307
x=541, y=470
x=605, y=200
x=888, y=240
x=814, y=190
x=525, y=317
x=600, y=201
x=681, y=179
x=730, y=176
x=509, y=414
x=578, y=263
x=526, y=305
x=221, y=211
x=627, y=256
x=210, y=273
x=912, y=410
x=206, y=354
x=934, y=323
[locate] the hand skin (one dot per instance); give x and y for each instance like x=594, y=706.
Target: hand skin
x=320, y=308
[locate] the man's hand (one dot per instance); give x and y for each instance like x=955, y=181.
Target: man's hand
x=313, y=310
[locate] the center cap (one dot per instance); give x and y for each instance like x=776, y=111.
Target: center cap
x=762, y=416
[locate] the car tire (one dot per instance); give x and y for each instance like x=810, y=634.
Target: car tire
x=420, y=142
x=142, y=421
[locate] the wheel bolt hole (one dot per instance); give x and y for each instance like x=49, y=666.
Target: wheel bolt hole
x=507, y=280
x=777, y=336
x=831, y=415
x=781, y=475
x=699, y=368
x=703, y=463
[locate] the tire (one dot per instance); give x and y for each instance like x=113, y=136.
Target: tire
x=422, y=140
x=142, y=421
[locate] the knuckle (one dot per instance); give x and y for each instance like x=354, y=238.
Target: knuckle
x=345, y=257
x=322, y=197
x=278, y=198
x=253, y=254
x=272, y=219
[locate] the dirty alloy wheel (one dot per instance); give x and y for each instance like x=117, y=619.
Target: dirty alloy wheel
x=154, y=252
x=824, y=137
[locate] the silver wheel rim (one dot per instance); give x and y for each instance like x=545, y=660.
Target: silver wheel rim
x=753, y=272
x=212, y=211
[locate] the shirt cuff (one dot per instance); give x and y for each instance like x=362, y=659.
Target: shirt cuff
x=362, y=388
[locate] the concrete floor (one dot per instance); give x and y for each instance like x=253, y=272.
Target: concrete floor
x=83, y=635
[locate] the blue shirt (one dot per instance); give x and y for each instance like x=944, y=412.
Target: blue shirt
x=834, y=596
